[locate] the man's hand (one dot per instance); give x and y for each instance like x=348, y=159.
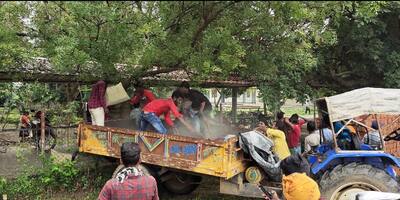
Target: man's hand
x=260, y=129
x=106, y=110
x=274, y=196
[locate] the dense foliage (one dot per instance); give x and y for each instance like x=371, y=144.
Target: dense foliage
x=52, y=177
x=18, y=97
x=292, y=49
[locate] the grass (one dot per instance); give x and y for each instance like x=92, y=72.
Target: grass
x=300, y=110
x=12, y=119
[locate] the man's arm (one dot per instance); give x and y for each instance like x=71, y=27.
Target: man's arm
x=202, y=105
x=135, y=99
x=155, y=197
x=275, y=133
x=102, y=93
x=307, y=146
x=149, y=95
x=288, y=122
x=188, y=126
x=105, y=193
x=305, y=120
x=168, y=120
x=178, y=115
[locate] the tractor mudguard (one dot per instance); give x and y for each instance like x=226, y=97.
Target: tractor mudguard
x=375, y=158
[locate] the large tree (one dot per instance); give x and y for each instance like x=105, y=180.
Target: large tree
x=262, y=41
x=360, y=46
x=288, y=48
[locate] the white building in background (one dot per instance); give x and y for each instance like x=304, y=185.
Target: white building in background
x=249, y=99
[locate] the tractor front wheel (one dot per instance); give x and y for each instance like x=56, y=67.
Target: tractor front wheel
x=344, y=182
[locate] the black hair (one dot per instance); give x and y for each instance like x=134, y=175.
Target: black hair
x=265, y=121
x=295, y=163
x=138, y=84
x=38, y=114
x=311, y=126
x=374, y=125
x=130, y=153
x=325, y=122
x=280, y=115
x=185, y=84
x=177, y=94
x=139, y=91
x=294, y=119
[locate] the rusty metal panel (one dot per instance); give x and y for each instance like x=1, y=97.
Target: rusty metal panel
x=211, y=157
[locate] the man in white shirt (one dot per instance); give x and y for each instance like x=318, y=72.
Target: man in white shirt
x=313, y=139
x=373, y=138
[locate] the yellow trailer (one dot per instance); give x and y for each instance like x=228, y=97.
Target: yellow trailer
x=177, y=161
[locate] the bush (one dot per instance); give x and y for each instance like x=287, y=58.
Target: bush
x=50, y=178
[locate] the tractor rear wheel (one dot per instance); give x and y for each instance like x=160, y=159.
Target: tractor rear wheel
x=344, y=182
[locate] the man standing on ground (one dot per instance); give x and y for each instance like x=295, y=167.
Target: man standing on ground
x=281, y=125
x=25, y=121
x=130, y=183
x=313, y=139
x=151, y=114
x=200, y=108
x=295, y=133
x=97, y=103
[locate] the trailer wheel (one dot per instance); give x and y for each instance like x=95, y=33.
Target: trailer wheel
x=180, y=183
x=344, y=182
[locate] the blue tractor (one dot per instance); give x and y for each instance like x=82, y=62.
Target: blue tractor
x=354, y=160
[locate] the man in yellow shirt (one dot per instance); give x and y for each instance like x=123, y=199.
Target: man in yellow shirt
x=280, y=146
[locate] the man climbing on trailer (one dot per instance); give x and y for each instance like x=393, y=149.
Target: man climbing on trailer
x=141, y=93
x=151, y=114
x=97, y=103
x=200, y=108
x=141, y=97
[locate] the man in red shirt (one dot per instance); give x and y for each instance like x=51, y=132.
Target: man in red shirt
x=25, y=125
x=295, y=133
x=140, y=99
x=141, y=93
x=97, y=103
x=151, y=114
x=130, y=183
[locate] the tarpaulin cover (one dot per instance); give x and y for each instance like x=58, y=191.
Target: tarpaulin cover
x=260, y=149
x=363, y=101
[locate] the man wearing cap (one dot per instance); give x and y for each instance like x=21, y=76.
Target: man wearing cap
x=130, y=183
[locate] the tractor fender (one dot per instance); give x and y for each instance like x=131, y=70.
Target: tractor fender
x=376, y=158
